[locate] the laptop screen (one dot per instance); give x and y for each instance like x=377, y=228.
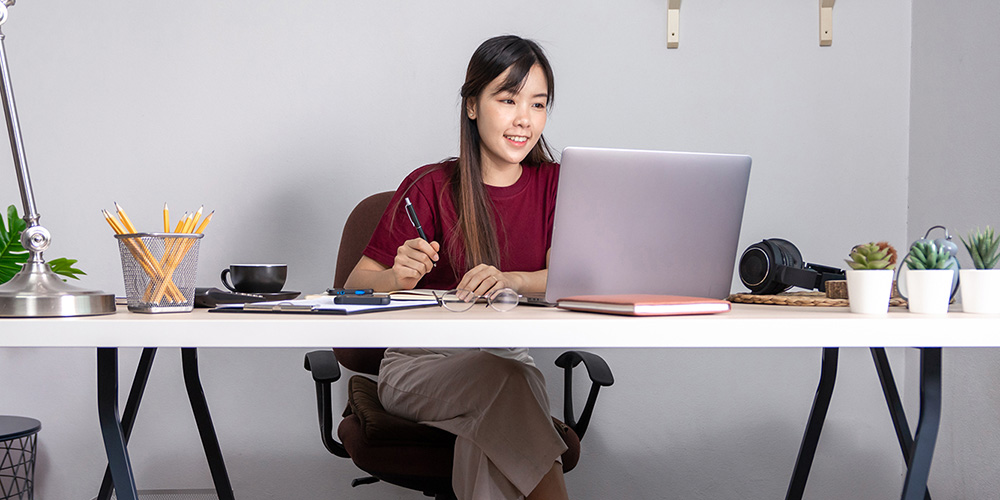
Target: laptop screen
x=657, y=222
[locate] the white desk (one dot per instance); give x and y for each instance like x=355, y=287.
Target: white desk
x=745, y=326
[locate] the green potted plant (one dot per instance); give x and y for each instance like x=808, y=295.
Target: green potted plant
x=981, y=286
x=931, y=277
x=13, y=255
x=869, y=279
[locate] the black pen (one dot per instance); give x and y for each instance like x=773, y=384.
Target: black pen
x=416, y=222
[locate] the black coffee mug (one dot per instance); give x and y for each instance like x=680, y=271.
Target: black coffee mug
x=255, y=278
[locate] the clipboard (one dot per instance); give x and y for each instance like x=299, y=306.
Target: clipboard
x=320, y=305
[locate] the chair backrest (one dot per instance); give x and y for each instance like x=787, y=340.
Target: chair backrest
x=357, y=232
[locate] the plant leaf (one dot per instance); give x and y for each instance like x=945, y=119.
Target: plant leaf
x=990, y=255
x=64, y=267
x=12, y=254
x=973, y=247
x=930, y=260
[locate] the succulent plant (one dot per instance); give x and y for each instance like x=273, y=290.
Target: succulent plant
x=879, y=255
x=929, y=255
x=984, y=247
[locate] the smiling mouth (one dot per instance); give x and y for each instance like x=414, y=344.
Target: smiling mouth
x=519, y=140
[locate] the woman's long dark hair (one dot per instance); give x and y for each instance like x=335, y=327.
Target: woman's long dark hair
x=472, y=202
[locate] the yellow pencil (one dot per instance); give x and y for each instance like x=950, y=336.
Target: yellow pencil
x=177, y=250
x=174, y=253
x=131, y=230
x=195, y=219
x=125, y=220
x=172, y=242
x=180, y=223
x=114, y=224
x=166, y=218
x=204, y=224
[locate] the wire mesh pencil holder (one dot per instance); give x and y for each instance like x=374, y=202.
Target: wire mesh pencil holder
x=159, y=270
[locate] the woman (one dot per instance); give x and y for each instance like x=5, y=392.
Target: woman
x=488, y=220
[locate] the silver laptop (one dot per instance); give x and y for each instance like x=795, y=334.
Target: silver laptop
x=654, y=222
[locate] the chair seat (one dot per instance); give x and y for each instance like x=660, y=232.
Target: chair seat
x=406, y=453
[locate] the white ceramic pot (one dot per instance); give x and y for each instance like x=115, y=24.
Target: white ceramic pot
x=929, y=290
x=869, y=290
x=980, y=290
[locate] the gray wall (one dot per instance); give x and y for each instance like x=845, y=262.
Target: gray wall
x=281, y=117
x=954, y=181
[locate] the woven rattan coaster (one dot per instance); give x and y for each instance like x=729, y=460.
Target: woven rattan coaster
x=813, y=299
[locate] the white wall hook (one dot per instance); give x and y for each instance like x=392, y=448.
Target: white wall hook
x=826, y=22
x=673, y=23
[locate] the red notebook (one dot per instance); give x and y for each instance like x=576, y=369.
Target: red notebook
x=644, y=305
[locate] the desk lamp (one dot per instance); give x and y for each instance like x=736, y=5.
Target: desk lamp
x=36, y=291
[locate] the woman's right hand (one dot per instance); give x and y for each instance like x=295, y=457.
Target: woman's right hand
x=414, y=259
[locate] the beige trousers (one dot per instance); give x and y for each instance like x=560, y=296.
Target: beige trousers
x=497, y=407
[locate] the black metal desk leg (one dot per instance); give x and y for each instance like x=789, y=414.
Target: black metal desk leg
x=111, y=429
x=192, y=381
x=821, y=403
x=927, y=427
x=893, y=401
x=895, y=405
x=131, y=409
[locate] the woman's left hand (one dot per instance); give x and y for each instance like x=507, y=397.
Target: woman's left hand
x=483, y=279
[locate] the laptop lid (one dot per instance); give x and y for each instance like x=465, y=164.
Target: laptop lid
x=657, y=222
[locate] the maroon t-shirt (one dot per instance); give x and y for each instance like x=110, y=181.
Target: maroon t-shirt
x=523, y=214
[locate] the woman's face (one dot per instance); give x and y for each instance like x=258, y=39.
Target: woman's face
x=510, y=124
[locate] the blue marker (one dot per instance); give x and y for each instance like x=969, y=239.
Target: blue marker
x=349, y=291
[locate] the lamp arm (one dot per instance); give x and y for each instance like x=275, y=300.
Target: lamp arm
x=35, y=239
x=36, y=291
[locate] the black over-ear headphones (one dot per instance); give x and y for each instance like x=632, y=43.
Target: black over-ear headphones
x=775, y=265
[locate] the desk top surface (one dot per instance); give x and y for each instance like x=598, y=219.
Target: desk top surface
x=745, y=326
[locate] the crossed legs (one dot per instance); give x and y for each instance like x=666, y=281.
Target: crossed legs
x=507, y=447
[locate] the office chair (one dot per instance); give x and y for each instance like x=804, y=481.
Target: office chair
x=393, y=449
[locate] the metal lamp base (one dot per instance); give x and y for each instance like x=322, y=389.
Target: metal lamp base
x=37, y=292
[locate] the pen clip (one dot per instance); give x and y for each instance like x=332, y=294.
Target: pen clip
x=416, y=222
x=411, y=213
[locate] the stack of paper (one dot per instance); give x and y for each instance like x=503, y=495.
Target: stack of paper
x=321, y=304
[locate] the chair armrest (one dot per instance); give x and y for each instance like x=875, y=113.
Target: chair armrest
x=323, y=365
x=600, y=376
x=325, y=371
